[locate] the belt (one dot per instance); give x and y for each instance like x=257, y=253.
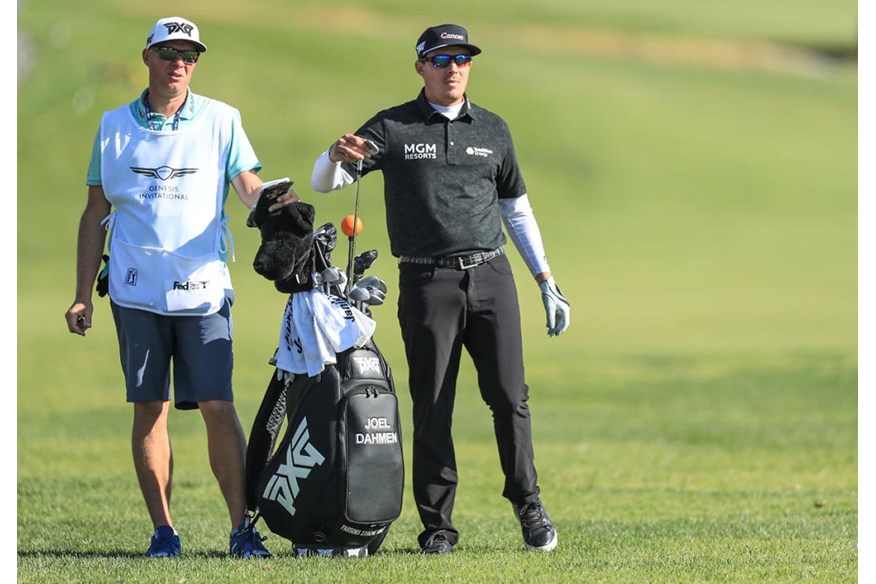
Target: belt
x=461, y=262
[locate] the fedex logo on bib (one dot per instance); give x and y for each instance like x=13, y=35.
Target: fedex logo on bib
x=421, y=151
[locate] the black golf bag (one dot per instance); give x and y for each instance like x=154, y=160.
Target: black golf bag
x=334, y=483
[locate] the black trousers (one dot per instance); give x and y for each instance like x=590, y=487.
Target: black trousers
x=442, y=310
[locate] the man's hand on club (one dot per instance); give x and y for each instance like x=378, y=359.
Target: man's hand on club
x=349, y=148
x=556, y=307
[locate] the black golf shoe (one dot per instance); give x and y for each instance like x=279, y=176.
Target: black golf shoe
x=538, y=532
x=437, y=544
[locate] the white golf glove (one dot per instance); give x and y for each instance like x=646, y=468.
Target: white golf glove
x=556, y=307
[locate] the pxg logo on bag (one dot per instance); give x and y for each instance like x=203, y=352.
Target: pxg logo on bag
x=301, y=458
x=367, y=367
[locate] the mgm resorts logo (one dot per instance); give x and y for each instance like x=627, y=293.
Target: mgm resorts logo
x=301, y=458
x=420, y=151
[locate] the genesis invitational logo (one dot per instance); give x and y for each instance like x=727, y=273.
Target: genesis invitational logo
x=159, y=191
x=163, y=172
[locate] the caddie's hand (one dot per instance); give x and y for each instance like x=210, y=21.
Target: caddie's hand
x=258, y=211
x=78, y=317
x=287, y=198
x=349, y=148
x=556, y=307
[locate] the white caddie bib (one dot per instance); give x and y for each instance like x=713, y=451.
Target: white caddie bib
x=168, y=226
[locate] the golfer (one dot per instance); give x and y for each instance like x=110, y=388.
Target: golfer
x=451, y=179
x=158, y=182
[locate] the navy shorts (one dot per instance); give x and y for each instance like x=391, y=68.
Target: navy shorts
x=199, y=346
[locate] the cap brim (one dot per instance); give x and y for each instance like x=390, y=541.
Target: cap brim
x=200, y=46
x=473, y=50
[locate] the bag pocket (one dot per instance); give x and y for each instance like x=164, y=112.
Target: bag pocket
x=195, y=285
x=374, y=464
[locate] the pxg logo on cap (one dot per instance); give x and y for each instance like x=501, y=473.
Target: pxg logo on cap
x=175, y=28
x=444, y=35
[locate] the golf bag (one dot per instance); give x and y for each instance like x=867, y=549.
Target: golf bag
x=334, y=484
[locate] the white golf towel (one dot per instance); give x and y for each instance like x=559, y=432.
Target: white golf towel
x=316, y=326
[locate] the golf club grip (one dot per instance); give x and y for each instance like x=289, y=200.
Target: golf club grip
x=350, y=261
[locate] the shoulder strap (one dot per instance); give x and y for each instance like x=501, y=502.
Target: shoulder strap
x=279, y=397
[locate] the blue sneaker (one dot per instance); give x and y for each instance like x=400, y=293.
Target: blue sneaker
x=246, y=542
x=165, y=543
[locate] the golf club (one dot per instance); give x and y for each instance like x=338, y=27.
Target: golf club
x=372, y=150
x=362, y=262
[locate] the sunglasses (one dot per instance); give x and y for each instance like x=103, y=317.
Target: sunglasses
x=189, y=57
x=443, y=61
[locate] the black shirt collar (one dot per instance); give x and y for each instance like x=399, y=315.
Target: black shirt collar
x=428, y=111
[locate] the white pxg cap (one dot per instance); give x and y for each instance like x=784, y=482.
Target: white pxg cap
x=175, y=28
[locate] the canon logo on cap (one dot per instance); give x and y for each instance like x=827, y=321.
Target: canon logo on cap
x=450, y=35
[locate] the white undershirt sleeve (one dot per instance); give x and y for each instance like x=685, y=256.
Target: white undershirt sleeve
x=523, y=230
x=328, y=176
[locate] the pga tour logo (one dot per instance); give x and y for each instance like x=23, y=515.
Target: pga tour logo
x=301, y=458
x=421, y=151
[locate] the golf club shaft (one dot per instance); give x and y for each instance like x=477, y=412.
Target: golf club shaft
x=355, y=225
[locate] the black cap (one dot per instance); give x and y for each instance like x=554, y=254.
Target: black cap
x=444, y=35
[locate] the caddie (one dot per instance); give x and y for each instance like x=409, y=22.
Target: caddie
x=158, y=182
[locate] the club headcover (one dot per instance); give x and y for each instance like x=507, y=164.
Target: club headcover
x=285, y=254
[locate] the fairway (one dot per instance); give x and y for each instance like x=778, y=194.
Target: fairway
x=693, y=168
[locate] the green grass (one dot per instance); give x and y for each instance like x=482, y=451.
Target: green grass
x=697, y=423
x=656, y=469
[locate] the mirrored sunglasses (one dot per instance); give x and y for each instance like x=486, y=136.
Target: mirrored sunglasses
x=443, y=61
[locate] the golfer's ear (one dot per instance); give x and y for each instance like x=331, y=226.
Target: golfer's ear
x=418, y=67
x=144, y=57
